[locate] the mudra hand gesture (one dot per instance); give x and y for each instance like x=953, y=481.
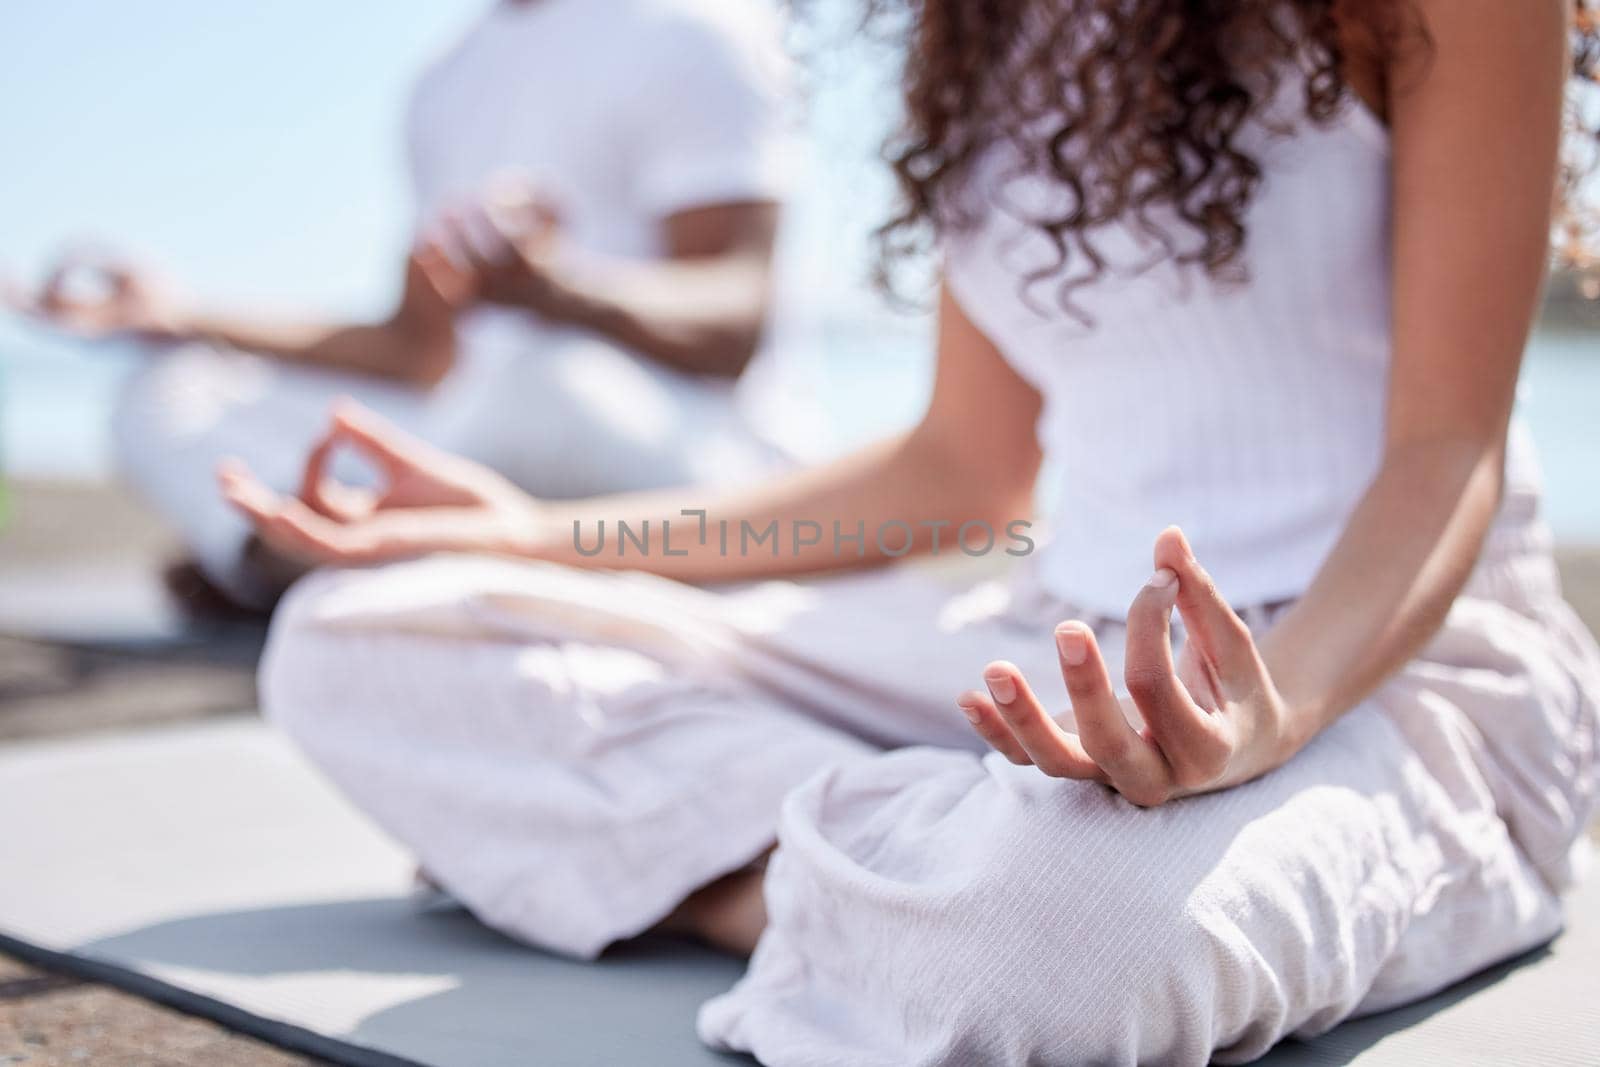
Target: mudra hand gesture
x=428, y=500
x=95, y=295
x=1211, y=720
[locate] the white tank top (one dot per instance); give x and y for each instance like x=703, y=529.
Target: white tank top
x=1249, y=412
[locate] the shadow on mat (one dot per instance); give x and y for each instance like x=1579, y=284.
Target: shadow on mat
x=507, y=1004
x=502, y=1003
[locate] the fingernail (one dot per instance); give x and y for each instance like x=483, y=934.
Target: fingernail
x=1001, y=685
x=1163, y=577
x=970, y=710
x=1073, y=645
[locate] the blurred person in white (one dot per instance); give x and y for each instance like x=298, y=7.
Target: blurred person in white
x=598, y=187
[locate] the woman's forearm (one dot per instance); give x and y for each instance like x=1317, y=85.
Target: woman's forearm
x=1388, y=583
x=892, y=499
x=1470, y=237
x=961, y=482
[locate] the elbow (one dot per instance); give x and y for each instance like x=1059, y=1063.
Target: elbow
x=1004, y=510
x=995, y=488
x=429, y=376
x=726, y=349
x=738, y=348
x=429, y=362
x=411, y=350
x=731, y=340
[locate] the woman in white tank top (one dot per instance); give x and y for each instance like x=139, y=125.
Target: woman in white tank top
x=1189, y=265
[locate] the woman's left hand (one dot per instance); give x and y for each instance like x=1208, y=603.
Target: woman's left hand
x=1212, y=720
x=429, y=501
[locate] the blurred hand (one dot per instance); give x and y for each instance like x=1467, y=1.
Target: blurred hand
x=430, y=501
x=97, y=296
x=1212, y=720
x=513, y=245
x=436, y=289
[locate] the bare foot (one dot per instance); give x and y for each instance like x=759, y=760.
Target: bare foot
x=197, y=597
x=429, y=895
x=272, y=571
x=729, y=914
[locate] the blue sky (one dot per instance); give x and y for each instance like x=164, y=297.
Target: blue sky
x=254, y=151
x=255, y=154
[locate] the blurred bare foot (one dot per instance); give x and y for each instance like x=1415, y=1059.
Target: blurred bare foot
x=729, y=914
x=429, y=895
x=199, y=598
x=271, y=571
x=270, y=575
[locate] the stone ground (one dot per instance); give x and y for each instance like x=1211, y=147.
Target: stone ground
x=48, y=1020
x=149, y=666
x=76, y=683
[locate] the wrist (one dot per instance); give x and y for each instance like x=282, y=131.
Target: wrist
x=174, y=323
x=564, y=297
x=1290, y=732
x=527, y=531
x=1279, y=723
x=1298, y=715
x=423, y=329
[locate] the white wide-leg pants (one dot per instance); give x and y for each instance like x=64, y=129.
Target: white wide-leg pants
x=571, y=753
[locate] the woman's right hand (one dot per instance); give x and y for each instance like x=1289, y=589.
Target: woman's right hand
x=429, y=501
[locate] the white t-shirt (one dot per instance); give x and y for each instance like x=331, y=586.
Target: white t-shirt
x=624, y=111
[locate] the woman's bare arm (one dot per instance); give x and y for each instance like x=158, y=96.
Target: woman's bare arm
x=973, y=458
x=1475, y=124
x=1475, y=128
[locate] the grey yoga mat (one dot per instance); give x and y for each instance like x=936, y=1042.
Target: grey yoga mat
x=208, y=867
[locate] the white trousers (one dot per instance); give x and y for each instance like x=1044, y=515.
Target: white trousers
x=577, y=418
x=571, y=753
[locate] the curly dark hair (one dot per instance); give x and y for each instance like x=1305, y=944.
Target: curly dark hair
x=1155, y=93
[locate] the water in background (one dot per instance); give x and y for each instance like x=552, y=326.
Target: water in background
x=872, y=376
